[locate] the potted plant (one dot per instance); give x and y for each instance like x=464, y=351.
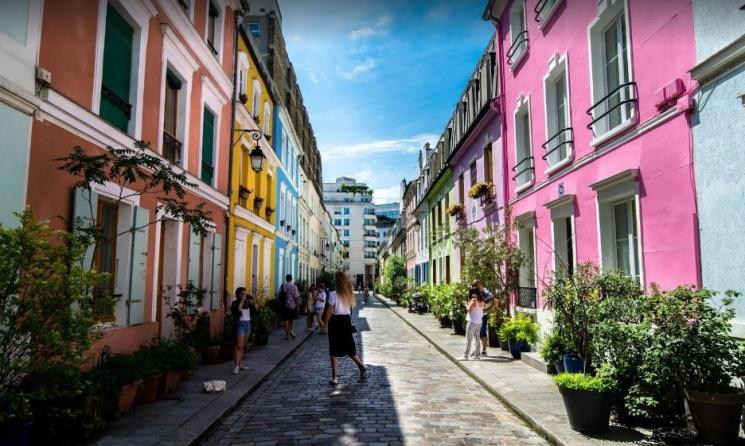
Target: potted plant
x=455, y=210
x=151, y=371
x=243, y=192
x=243, y=98
x=15, y=417
x=258, y=202
x=478, y=190
x=177, y=359
x=262, y=325
x=553, y=350
x=127, y=378
x=457, y=294
x=587, y=399
x=493, y=329
x=227, y=346
x=520, y=331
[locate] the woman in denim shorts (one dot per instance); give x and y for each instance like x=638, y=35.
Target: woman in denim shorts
x=241, y=310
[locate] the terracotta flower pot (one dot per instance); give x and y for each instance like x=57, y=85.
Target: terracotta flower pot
x=127, y=396
x=716, y=415
x=211, y=354
x=169, y=381
x=149, y=391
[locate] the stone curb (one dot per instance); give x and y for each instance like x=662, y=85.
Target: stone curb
x=230, y=409
x=532, y=422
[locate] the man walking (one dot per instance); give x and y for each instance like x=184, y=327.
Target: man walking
x=489, y=304
x=289, y=298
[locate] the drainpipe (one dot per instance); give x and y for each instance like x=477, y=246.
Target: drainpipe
x=226, y=259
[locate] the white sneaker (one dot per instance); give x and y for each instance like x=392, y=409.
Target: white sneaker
x=245, y=367
x=333, y=381
x=236, y=369
x=464, y=358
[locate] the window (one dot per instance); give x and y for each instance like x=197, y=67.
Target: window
x=473, y=173
x=461, y=190
x=105, y=259
x=614, y=92
x=447, y=269
x=544, y=10
x=242, y=76
x=212, y=24
x=171, y=144
x=208, y=145
x=559, y=132
x=564, y=244
x=524, y=165
x=488, y=164
x=526, y=235
x=117, y=71
x=626, y=237
x=346, y=222
x=256, y=99
x=345, y=211
x=255, y=29
x=518, y=33
x=337, y=222
x=346, y=233
x=267, y=119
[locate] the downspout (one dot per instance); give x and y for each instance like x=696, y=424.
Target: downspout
x=226, y=260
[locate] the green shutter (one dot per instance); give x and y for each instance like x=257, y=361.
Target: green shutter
x=208, y=140
x=117, y=70
x=138, y=267
x=195, y=246
x=85, y=206
x=216, y=270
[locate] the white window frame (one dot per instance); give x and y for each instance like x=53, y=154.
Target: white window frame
x=266, y=125
x=214, y=102
x=527, y=223
x=564, y=210
x=179, y=61
x=558, y=66
x=614, y=190
x=243, y=67
x=219, y=26
x=518, y=55
x=547, y=15
x=607, y=17
x=523, y=109
x=255, y=99
x=138, y=15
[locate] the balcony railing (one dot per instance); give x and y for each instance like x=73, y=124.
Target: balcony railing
x=613, y=109
x=171, y=149
x=526, y=297
x=117, y=101
x=518, y=47
x=542, y=9
x=208, y=172
x=524, y=171
x=564, y=138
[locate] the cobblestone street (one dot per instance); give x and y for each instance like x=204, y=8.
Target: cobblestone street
x=413, y=395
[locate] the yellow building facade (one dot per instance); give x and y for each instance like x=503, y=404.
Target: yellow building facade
x=253, y=194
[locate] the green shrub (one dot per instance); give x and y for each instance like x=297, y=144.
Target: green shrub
x=553, y=349
x=581, y=381
x=264, y=319
x=520, y=327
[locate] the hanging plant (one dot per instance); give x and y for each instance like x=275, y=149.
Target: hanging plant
x=455, y=210
x=478, y=190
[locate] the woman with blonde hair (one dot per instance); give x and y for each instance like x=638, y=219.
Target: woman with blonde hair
x=338, y=319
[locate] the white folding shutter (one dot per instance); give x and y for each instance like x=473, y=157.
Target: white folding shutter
x=216, y=271
x=138, y=267
x=195, y=246
x=84, y=207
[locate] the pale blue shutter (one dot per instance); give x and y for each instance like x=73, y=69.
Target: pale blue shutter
x=195, y=247
x=84, y=207
x=216, y=270
x=138, y=267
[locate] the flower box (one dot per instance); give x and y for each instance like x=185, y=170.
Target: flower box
x=243, y=193
x=479, y=190
x=455, y=210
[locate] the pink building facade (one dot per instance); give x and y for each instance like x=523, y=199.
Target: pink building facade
x=597, y=137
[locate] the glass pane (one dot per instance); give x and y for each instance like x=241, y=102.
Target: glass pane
x=635, y=240
x=530, y=259
x=570, y=246
x=621, y=227
x=612, y=76
x=561, y=120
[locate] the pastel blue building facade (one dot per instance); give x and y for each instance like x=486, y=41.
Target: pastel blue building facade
x=718, y=126
x=286, y=248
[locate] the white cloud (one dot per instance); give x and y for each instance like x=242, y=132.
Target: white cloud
x=359, y=69
x=363, y=149
x=363, y=175
x=313, y=77
x=378, y=29
x=387, y=194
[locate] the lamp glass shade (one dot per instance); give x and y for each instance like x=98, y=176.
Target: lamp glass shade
x=257, y=159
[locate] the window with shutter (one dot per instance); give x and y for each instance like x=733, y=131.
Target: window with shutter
x=117, y=70
x=208, y=142
x=214, y=13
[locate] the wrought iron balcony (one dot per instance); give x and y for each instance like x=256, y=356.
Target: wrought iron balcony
x=526, y=297
x=208, y=172
x=518, y=48
x=543, y=8
x=564, y=138
x=117, y=101
x=614, y=108
x=171, y=149
x=524, y=170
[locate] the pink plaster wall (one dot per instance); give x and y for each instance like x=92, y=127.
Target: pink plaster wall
x=662, y=155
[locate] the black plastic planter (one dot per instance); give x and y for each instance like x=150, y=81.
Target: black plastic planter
x=493, y=337
x=445, y=322
x=516, y=348
x=504, y=345
x=716, y=415
x=588, y=412
x=17, y=434
x=459, y=328
x=262, y=338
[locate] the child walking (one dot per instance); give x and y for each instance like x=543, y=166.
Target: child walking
x=475, y=309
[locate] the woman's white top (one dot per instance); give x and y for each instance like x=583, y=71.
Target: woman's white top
x=320, y=300
x=245, y=315
x=476, y=313
x=339, y=306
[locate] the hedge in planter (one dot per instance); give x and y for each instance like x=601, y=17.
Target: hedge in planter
x=587, y=399
x=520, y=331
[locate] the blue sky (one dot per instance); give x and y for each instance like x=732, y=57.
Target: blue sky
x=380, y=78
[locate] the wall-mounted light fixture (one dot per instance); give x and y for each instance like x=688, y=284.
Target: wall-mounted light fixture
x=257, y=155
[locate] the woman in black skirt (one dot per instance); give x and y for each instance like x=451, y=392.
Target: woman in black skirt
x=338, y=319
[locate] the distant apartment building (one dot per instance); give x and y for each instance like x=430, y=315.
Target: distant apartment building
x=386, y=217
x=350, y=205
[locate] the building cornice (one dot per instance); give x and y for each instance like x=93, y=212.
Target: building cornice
x=720, y=62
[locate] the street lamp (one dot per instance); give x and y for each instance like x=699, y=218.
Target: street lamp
x=257, y=155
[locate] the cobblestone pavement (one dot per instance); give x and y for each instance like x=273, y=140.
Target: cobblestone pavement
x=413, y=395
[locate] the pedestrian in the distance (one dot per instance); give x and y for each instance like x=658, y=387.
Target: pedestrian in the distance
x=475, y=309
x=289, y=299
x=310, y=301
x=319, y=306
x=241, y=312
x=338, y=317
x=489, y=304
